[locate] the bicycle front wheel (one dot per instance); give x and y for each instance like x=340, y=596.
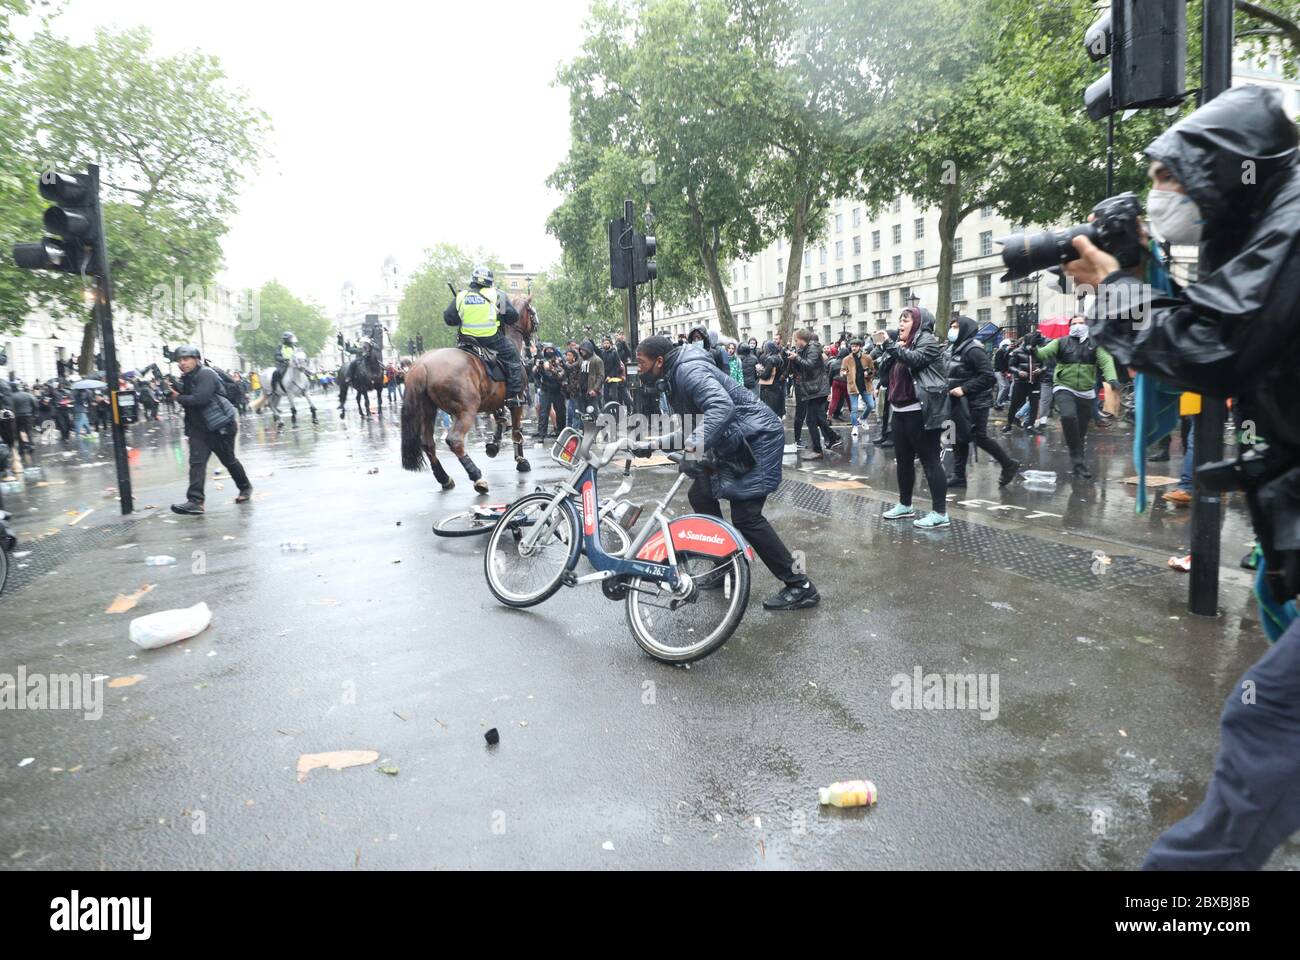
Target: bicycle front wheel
x=678, y=629
x=520, y=576
x=467, y=523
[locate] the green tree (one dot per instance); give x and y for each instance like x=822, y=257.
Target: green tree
x=174, y=141
x=426, y=295
x=274, y=310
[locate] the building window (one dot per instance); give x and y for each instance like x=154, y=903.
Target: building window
x=780, y=244
x=875, y=268
x=745, y=271
x=823, y=279
x=824, y=256
x=986, y=212
x=735, y=296
x=807, y=281
x=882, y=300
x=898, y=233
x=735, y=275
x=857, y=271
x=839, y=223
x=839, y=249
x=956, y=248
x=919, y=226
x=898, y=204
x=746, y=297
x=875, y=239
x=780, y=265
x=959, y=288
x=984, y=315
x=807, y=258
x=898, y=264
x=839, y=274
x=986, y=243
x=986, y=285
x=905, y=296
x=780, y=288
x=857, y=246
x=812, y=311
x=857, y=216
x=920, y=259
x=862, y=303
x=826, y=308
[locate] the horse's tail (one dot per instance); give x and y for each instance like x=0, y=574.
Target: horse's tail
x=415, y=406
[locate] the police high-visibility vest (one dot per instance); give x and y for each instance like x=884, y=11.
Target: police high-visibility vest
x=286, y=352
x=478, y=312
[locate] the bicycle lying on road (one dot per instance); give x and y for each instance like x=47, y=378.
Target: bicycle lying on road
x=685, y=581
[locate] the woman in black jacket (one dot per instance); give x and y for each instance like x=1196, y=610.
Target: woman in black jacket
x=770, y=371
x=813, y=388
x=971, y=382
x=918, y=393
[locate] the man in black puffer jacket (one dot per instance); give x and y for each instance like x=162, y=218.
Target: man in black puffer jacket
x=211, y=426
x=971, y=382
x=734, y=428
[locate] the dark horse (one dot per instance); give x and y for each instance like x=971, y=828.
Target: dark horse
x=363, y=374
x=456, y=381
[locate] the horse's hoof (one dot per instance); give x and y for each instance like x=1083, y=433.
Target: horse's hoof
x=523, y=466
x=493, y=449
x=481, y=486
x=449, y=485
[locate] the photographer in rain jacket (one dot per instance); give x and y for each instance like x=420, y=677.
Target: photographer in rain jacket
x=1227, y=176
x=741, y=442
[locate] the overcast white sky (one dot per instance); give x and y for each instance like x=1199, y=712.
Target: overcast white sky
x=383, y=139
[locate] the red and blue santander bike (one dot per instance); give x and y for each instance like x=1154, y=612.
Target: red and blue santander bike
x=685, y=581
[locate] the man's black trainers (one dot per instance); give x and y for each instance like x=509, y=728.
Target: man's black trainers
x=956, y=481
x=794, y=598
x=1009, y=473
x=189, y=508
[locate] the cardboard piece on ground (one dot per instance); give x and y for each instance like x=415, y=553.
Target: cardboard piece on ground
x=125, y=601
x=336, y=760
x=658, y=460
x=1153, y=480
x=839, y=485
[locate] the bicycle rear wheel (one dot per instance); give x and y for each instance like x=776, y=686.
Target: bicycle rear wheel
x=524, y=578
x=680, y=630
x=467, y=523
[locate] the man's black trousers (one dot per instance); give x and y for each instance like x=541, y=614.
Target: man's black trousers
x=747, y=517
x=202, y=446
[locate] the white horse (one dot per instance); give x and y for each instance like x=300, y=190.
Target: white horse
x=294, y=383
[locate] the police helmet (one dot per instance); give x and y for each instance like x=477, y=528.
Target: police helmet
x=482, y=277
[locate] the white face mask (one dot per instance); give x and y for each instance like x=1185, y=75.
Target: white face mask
x=952, y=336
x=1175, y=216
x=1079, y=331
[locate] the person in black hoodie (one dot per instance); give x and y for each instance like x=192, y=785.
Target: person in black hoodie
x=883, y=362
x=615, y=374
x=1234, y=332
x=548, y=373
x=971, y=382
x=709, y=345
x=918, y=392
x=812, y=389
x=749, y=368
x=770, y=371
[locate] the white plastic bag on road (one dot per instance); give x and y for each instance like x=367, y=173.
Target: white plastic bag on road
x=159, y=629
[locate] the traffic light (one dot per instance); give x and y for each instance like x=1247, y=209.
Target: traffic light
x=1146, y=43
x=73, y=222
x=620, y=267
x=644, y=268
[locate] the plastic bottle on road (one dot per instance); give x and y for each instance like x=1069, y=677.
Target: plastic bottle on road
x=849, y=793
x=293, y=547
x=160, y=561
x=1040, y=476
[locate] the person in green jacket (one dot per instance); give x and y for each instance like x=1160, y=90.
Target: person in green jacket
x=1077, y=358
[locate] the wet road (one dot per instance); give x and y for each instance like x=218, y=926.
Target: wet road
x=382, y=637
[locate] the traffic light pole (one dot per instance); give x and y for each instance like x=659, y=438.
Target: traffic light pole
x=633, y=333
x=1207, y=506
x=104, y=320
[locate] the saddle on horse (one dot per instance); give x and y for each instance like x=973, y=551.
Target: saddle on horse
x=496, y=370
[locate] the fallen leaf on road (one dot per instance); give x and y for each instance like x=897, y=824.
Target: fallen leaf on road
x=74, y=769
x=391, y=771
x=131, y=681
x=23, y=763
x=335, y=760
x=125, y=601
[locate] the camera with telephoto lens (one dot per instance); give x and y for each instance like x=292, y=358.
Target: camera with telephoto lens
x=1114, y=228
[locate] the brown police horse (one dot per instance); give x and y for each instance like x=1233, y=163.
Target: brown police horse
x=455, y=381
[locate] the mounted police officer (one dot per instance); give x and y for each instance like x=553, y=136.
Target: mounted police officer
x=479, y=312
x=288, y=343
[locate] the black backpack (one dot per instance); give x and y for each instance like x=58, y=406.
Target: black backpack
x=229, y=385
